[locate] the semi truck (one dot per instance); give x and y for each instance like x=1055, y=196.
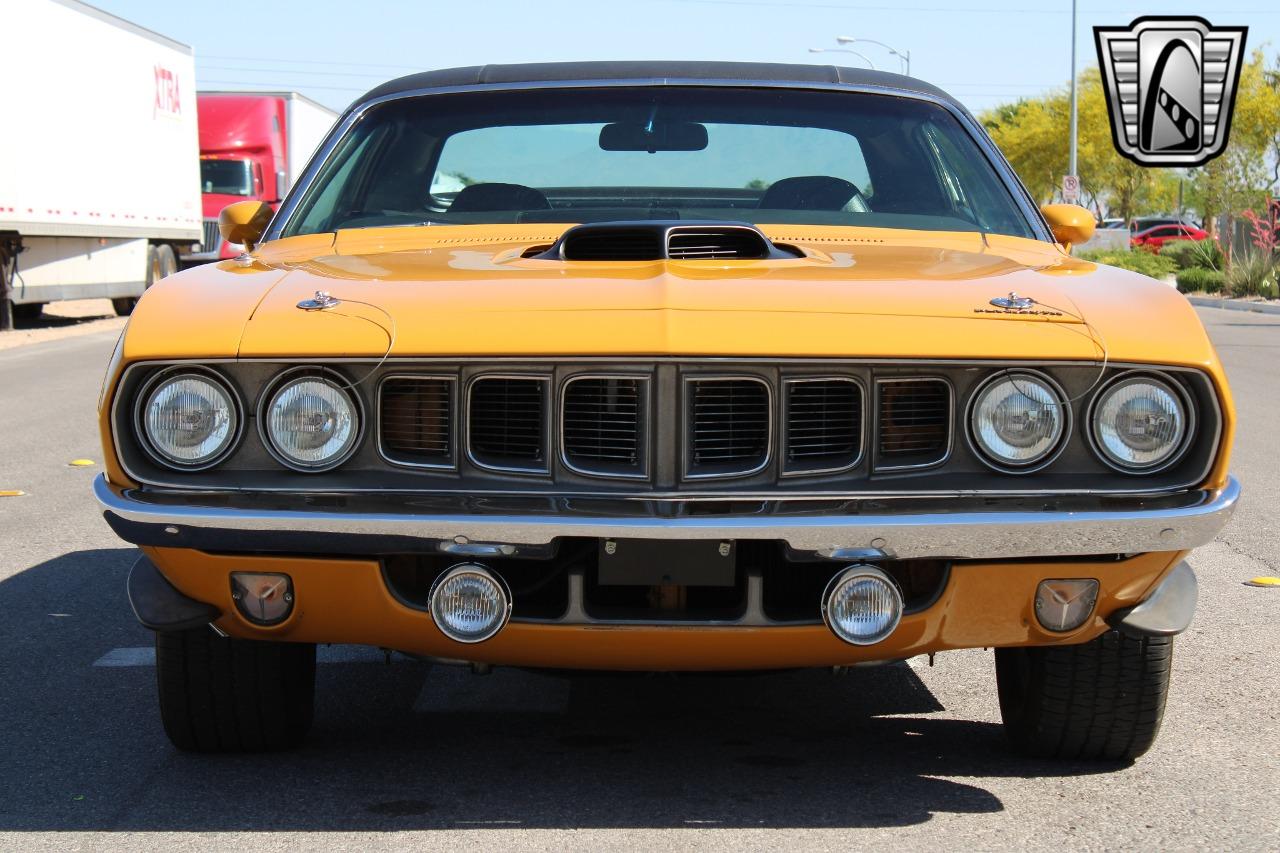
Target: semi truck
x=99, y=164
x=253, y=145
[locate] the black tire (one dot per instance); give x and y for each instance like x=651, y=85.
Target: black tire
x=161, y=262
x=224, y=695
x=1100, y=701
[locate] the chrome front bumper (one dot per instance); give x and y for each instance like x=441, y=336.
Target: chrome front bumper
x=905, y=528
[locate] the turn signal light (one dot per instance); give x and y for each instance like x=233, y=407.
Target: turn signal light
x=264, y=598
x=1064, y=604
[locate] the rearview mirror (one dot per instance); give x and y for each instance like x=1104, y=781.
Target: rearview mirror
x=653, y=136
x=244, y=222
x=1071, y=224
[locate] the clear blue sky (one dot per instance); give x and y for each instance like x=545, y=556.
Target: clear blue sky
x=982, y=51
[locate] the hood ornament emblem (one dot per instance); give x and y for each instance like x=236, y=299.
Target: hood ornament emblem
x=322, y=301
x=1012, y=302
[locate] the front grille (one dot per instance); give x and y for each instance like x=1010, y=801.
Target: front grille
x=716, y=244
x=211, y=240
x=914, y=421
x=507, y=423
x=823, y=425
x=602, y=425
x=415, y=420
x=728, y=426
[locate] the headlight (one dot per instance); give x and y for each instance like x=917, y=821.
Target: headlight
x=312, y=423
x=1018, y=419
x=1139, y=424
x=189, y=420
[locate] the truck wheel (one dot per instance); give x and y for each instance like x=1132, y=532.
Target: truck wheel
x=1100, y=701
x=223, y=695
x=161, y=262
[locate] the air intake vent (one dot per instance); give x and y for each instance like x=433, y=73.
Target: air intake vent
x=729, y=427
x=690, y=244
x=507, y=423
x=415, y=420
x=658, y=239
x=602, y=243
x=823, y=425
x=603, y=425
x=914, y=422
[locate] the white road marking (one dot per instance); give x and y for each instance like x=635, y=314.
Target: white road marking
x=132, y=656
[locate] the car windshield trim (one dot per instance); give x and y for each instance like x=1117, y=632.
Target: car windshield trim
x=1036, y=228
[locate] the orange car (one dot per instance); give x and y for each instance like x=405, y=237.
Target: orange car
x=664, y=366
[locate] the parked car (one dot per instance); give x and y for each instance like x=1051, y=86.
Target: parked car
x=1113, y=223
x=664, y=366
x=1142, y=223
x=1154, y=238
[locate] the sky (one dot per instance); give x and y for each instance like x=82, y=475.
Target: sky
x=984, y=52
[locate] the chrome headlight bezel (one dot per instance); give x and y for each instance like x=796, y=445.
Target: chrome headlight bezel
x=1179, y=395
x=1004, y=465
x=329, y=377
x=174, y=373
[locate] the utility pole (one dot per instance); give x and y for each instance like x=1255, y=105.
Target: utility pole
x=1072, y=167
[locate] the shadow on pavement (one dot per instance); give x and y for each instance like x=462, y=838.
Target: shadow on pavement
x=408, y=746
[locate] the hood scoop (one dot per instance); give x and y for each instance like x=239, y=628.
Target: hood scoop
x=658, y=240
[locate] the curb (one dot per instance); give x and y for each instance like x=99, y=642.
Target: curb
x=1235, y=305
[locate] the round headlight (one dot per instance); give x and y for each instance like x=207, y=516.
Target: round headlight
x=312, y=423
x=469, y=603
x=862, y=605
x=1018, y=419
x=1139, y=423
x=189, y=420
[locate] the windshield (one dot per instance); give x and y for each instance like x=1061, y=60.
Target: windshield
x=590, y=155
x=226, y=177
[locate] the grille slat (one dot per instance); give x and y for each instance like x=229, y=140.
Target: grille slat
x=507, y=423
x=914, y=421
x=415, y=417
x=211, y=238
x=729, y=426
x=823, y=424
x=602, y=428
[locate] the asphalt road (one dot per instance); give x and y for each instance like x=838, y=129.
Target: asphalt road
x=404, y=755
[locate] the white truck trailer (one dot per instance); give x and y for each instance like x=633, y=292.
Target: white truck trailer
x=99, y=163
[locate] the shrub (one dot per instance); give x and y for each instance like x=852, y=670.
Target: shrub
x=1188, y=254
x=1156, y=266
x=1200, y=280
x=1253, y=273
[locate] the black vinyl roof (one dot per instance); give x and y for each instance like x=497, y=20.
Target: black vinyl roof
x=762, y=73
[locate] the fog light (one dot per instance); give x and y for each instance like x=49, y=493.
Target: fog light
x=862, y=605
x=469, y=603
x=263, y=598
x=1063, y=604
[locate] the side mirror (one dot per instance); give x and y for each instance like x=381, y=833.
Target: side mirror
x=244, y=222
x=1071, y=224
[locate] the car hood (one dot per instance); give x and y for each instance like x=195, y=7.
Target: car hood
x=471, y=291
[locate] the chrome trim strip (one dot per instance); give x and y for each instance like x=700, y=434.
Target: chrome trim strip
x=1114, y=527
x=645, y=425
x=1013, y=184
x=452, y=464
x=686, y=424
x=951, y=423
x=784, y=422
x=547, y=381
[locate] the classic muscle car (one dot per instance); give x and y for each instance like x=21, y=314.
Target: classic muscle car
x=665, y=367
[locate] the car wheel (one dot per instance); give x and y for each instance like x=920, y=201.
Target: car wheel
x=161, y=262
x=1101, y=700
x=223, y=695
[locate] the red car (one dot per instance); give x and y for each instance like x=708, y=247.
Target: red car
x=1155, y=237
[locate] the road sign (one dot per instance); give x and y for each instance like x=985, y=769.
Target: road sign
x=1071, y=189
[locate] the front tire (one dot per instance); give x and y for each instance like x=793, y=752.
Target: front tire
x=1099, y=701
x=223, y=695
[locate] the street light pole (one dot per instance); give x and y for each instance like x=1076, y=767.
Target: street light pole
x=870, y=64
x=1072, y=167
x=904, y=56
